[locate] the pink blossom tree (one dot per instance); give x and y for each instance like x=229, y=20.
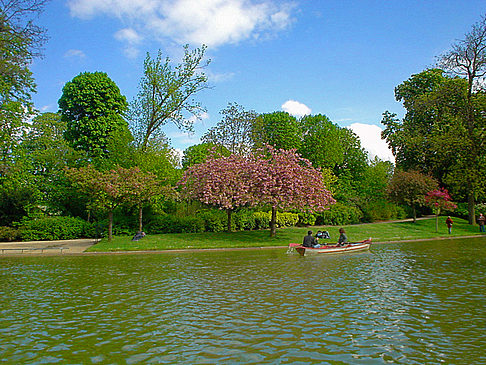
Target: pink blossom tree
x=277, y=178
x=224, y=182
x=438, y=200
x=108, y=190
x=285, y=180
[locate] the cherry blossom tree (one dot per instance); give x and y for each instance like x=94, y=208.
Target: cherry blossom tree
x=280, y=179
x=285, y=180
x=224, y=182
x=438, y=200
x=108, y=190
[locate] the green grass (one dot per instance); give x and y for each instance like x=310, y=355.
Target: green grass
x=380, y=232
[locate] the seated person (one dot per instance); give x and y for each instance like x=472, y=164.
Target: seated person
x=310, y=241
x=319, y=235
x=343, y=239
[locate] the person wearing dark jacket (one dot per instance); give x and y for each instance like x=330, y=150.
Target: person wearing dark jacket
x=309, y=240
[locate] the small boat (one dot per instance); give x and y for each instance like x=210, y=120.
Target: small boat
x=327, y=249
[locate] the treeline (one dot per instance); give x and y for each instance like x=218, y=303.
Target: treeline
x=102, y=165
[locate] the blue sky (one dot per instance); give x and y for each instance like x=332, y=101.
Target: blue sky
x=338, y=58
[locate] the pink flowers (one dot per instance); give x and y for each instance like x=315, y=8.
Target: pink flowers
x=279, y=178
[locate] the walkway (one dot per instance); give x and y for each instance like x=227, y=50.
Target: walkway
x=64, y=247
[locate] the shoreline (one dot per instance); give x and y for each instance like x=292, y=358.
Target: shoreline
x=78, y=247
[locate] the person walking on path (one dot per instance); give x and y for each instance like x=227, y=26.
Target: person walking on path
x=481, y=220
x=449, y=223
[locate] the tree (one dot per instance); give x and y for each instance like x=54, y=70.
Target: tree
x=285, y=180
x=108, y=190
x=467, y=59
x=21, y=41
x=409, y=188
x=93, y=108
x=436, y=136
x=225, y=182
x=321, y=142
x=234, y=131
x=201, y=152
x=438, y=200
x=165, y=94
x=280, y=179
x=277, y=129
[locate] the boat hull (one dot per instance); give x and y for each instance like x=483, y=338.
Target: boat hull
x=333, y=249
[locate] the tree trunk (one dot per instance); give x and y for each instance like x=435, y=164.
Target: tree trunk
x=414, y=213
x=140, y=213
x=273, y=223
x=470, y=207
x=110, y=225
x=228, y=213
x=437, y=223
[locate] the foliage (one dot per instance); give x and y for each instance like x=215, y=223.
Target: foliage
x=278, y=129
x=338, y=215
x=111, y=189
x=93, y=108
x=234, y=131
x=199, y=153
x=321, y=142
x=53, y=228
x=165, y=94
x=439, y=200
x=382, y=210
x=174, y=224
x=409, y=188
x=9, y=234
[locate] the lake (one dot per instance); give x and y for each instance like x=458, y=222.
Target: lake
x=403, y=303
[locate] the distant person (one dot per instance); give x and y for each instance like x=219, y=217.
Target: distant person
x=138, y=236
x=343, y=239
x=310, y=241
x=449, y=224
x=481, y=220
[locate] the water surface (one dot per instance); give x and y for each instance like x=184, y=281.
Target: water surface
x=408, y=303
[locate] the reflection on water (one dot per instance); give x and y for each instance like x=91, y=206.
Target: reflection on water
x=411, y=303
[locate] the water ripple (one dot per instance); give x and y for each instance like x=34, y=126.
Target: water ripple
x=411, y=303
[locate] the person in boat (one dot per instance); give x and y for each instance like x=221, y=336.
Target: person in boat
x=318, y=235
x=310, y=241
x=343, y=239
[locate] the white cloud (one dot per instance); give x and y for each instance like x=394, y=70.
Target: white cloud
x=370, y=136
x=212, y=22
x=75, y=54
x=128, y=35
x=296, y=108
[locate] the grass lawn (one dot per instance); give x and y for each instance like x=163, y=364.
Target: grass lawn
x=380, y=232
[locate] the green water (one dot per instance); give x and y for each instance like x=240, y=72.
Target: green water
x=410, y=303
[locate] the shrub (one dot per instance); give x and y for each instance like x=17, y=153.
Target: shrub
x=8, y=234
x=382, y=210
x=262, y=219
x=306, y=219
x=244, y=220
x=172, y=224
x=53, y=228
x=215, y=220
x=338, y=215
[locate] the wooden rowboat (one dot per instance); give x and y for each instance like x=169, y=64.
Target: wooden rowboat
x=329, y=249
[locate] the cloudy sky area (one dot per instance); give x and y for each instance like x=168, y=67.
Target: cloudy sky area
x=342, y=59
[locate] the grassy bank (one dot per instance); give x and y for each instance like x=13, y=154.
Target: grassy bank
x=380, y=232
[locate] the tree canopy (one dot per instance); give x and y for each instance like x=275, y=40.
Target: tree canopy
x=93, y=108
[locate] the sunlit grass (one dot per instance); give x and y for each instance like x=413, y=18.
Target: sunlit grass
x=379, y=232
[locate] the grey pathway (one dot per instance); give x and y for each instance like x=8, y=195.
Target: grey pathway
x=64, y=247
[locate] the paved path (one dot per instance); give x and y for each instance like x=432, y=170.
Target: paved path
x=64, y=247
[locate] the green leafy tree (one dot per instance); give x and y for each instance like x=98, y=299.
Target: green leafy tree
x=199, y=153
x=409, y=188
x=108, y=190
x=321, y=143
x=21, y=41
x=278, y=129
x=165, y=94
x=93, y=108
x=234, y=130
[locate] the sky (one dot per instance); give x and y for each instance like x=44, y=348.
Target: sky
x=340, y=58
